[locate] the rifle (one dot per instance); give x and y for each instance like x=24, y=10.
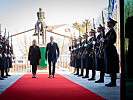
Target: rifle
x=101, y=48
x=12, y=54
x=8, y=47
x=80, y=44
x=5, y=46
x=0, y=48
x=85, y=52
x=94, y=47
x=0, y=43
x=71, y=47
x=74, y=51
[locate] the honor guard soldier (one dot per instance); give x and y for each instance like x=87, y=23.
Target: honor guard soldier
x=83, y=54
x=12, y=55
x=111, y=60
x=99, y=58
x=72, y=59
x=1, y=57
x=4, y=55
x=78, y=51
x=9, y=62
x=89, y=59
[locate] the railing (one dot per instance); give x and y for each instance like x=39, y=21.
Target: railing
x=62, y=64
x=21, y=67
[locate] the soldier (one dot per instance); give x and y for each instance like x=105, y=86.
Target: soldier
x=90, y=56
x=83, y=51
x=4, y=55
x=78, y=59
x=72, y=60
x=6, y=60
x=89, y=60
x=111, y=60
x=1, y=60
x=9, y=57
x=99, y=59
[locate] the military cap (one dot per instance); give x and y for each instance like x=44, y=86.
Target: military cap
x=112, y=21
x=85, y=34
x=92, y=31
x=4, y=37
x=100, y=27
x=79, y=37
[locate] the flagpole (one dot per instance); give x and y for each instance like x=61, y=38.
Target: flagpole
x=109, y=10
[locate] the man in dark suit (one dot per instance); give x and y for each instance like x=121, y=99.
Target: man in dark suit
x=34, y=57
x=52, y=53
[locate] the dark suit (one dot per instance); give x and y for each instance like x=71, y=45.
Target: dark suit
x=34, y=57
x=52, y=52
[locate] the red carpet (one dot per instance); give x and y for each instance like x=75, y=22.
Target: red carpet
x=44, y=88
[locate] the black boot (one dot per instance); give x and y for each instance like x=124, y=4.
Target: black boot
x=4, y=76
x=113, y=81
x=87, y=74
x=82, y=70
x=90, y=79
x=1, y=78
x=110, y=84
x=77, y=72
x=8, y=75
x=7, y=72
x=99, y=81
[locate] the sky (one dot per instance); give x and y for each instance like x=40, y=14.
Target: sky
x=20, y=15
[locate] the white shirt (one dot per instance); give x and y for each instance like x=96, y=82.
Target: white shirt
x=51, y=43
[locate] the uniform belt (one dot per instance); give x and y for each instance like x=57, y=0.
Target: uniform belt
x=97, y=46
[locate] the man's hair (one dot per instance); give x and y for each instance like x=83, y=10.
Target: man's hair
x=34, y=40
x=51, y=37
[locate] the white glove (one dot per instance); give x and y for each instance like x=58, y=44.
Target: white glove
x=85, y=45
x=0, y=55
x=74, y=48
x=93, y=42
x=71, y=49
x=102, y=39
x=79, y=46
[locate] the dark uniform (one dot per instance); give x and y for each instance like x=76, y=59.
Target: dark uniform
x=99, y=62
x=89, y=59
x=91, y=56
x=83, y=60
x=72, y=63
x=111, y=60
x=1, y=58
x=78, y=61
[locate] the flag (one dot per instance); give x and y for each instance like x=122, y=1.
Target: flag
x=111, y=8
x=113, y=4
